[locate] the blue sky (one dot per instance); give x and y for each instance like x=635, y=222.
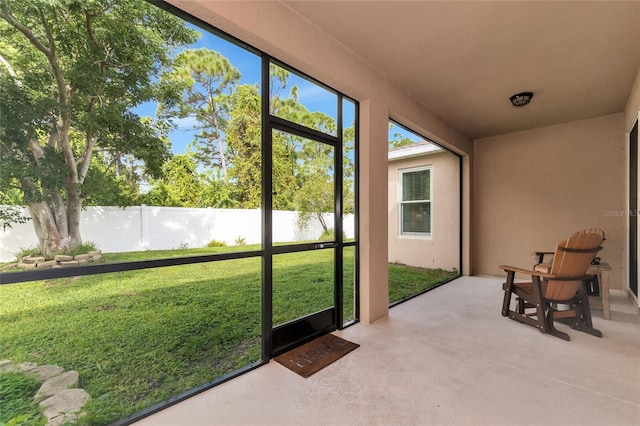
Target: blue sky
x=246, y=62
x=398, y=132
x=314, y=97
x=311, y=95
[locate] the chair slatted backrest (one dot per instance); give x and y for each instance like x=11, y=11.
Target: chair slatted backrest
x=572, y=259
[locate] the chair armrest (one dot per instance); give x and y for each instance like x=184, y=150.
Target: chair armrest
x=530, y=272
x=541, y=254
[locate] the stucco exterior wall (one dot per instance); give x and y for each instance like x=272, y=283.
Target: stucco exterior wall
x=533, y=188
x=441, y=249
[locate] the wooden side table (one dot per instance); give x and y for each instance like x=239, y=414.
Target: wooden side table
x=602, y=271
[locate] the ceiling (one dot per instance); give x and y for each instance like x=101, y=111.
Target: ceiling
x=463, y=60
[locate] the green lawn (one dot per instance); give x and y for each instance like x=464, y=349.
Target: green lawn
x=16, y=399
x=406, y=281
x=137, y=338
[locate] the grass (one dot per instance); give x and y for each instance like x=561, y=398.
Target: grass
x=140, y=337
x=406, y=281
x=16, y=400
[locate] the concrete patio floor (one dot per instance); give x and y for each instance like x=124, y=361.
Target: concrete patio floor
x=444, y=358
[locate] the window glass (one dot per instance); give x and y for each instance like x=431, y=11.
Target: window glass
x=303, y=189
x=302, y=101
x=349, y=170
x=302, y=284
x=416, y=202
x=349, y=281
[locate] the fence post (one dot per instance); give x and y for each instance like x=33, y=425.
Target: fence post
x=144, y=227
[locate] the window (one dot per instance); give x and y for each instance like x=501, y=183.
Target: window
x=415, y=201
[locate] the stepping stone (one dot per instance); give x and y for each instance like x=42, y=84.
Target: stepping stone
x=61, y=400
x=9, y=367
x=27, y=366
x=64, y=406
x=55, y=385
x=45, y=372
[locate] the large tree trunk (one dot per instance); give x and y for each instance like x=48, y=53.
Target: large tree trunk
x=59, y=212
x=74, y=207
x=45, y=227
x=57, y=225
x=57, y=230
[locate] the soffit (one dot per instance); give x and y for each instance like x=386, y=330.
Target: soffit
x=462, y=60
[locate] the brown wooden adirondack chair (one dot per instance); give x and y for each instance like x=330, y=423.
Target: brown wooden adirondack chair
x=538, y=302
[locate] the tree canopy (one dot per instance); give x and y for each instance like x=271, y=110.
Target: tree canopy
x=207, y=78
x=73, y=73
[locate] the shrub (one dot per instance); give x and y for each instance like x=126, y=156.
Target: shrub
x=240, y=241
x=216, y=243
x=329, y=236
x=29, y=251
x=83, y=248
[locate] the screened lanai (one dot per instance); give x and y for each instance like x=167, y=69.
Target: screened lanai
x=242, y=196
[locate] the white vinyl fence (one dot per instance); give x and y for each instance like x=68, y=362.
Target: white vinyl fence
x=116, y=229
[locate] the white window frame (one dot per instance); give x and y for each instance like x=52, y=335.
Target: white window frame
x=401, y=203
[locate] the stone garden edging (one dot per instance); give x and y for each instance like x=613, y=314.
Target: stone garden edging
x=60, y=396
x=60, y=260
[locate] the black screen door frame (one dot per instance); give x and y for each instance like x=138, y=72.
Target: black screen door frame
x=277, y=340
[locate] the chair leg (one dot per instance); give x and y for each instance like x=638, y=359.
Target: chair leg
x=540, y=305
x=542, y=322
x=507, y=293
x=551, y=328
x=585, y=308
x=583, y=321
x=535, y=300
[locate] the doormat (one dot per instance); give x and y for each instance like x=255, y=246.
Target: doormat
x=316, y=354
